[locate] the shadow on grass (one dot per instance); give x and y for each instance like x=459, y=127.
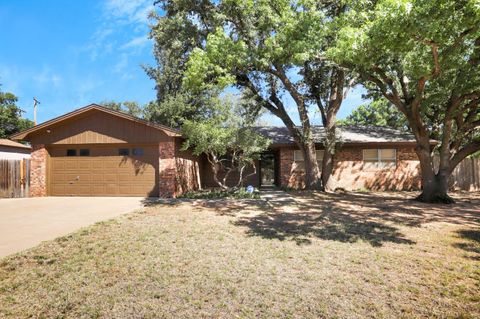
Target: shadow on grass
x=302, y=227
x=471, y=243
x=348, y=217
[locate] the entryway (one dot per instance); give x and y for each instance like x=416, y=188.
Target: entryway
x=269, y=169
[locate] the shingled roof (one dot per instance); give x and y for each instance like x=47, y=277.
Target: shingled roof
x=9, y=143
x=347, y=134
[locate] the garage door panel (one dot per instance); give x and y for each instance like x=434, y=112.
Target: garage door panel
x=59, y=177
x=98, y=189
x=69, y=176
x=104, y=173
x=84, y=164
x=70, y=164
x=58, y=165
x=98, y=164
x=85, y=178
x=58, y=189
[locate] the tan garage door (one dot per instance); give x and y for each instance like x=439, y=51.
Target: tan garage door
x=91, y=170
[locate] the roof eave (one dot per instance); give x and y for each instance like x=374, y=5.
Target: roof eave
x=22, y=135
x=359, y=143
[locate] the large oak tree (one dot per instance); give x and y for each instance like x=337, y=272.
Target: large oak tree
x=423, y=56
x=270, y=50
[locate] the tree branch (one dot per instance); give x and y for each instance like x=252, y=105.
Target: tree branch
x=469, y=149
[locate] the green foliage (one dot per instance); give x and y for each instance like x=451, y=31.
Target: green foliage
x=226, y=137
x=174, y=109
x=269, y=50
x=423, y=56
x=377, y=113
x=255, y=36
x=240, y=193
x=175, y=33
x=11, y=120
x=129, y=107
x=391, y=45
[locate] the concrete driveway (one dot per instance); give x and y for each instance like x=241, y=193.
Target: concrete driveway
x=25, y=222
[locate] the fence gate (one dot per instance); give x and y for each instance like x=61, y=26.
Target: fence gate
x=14, y=178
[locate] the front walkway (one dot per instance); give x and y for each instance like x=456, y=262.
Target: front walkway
x=25, y=222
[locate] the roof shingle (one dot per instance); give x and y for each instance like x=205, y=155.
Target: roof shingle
x=9, y=143
x=347, y=134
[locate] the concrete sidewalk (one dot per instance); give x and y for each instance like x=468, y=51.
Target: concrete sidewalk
x=26, y=222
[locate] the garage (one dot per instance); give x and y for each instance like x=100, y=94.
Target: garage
x=97, y=151
x=96, y=170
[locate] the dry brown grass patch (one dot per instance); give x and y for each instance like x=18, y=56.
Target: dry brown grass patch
x=309, y=256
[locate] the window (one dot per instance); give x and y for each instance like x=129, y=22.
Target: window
x=71, y=152
x=299, y=159
x=84, y=152
x=137, y=151
x=379, y=158
x=123, y=151
x=298, y=156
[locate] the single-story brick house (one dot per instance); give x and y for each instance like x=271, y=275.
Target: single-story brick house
x=96, y=151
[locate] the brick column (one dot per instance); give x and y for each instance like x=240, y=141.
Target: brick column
x=167, y=169
x=38, y=171
x=286, y=161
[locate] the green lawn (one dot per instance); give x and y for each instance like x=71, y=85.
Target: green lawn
x=315, y=255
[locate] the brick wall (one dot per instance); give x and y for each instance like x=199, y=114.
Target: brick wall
x=178, y=170
x=187, y=170
x=167, y=168
x=350, y=172
x=38, y=171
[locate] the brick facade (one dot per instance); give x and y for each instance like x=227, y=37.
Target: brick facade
x=350, y=172
x=178, y=170
x=187, y=176
x=167, y=168
x=38, y=171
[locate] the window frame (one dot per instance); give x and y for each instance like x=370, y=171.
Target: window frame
x=136, y=149
x=71, y=152
x=379, y=161
x=82, y=150
x=126, y=151
x=299, y=160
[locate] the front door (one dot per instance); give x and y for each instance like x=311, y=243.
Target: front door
x=267, y=169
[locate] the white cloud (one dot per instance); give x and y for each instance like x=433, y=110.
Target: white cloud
x=123, y=28
x=47, y=78
x=122, y=63
x=11, y=78
x=128, y=11
x=138, y=42
x=98, y=43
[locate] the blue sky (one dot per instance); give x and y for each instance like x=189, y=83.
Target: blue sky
x=69, y=54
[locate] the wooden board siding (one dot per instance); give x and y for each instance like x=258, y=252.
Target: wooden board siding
x=104, y=172
x=96, y=127
x=14, y=177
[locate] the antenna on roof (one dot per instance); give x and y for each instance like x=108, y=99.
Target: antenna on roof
x=35, y=103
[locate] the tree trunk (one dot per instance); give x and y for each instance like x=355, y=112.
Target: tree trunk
x=327, y=164
x=312, y=172
x=327, y=169
x=213, y=164
x=434, y=186
x=435, y=190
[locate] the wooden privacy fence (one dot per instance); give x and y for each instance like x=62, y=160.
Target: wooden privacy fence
x=14, y=178
x=466, y=175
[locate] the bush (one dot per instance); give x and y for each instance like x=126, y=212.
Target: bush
x=239, y=193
